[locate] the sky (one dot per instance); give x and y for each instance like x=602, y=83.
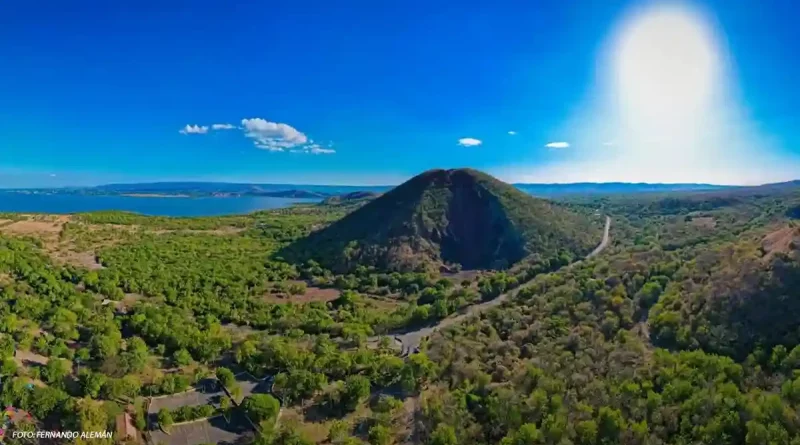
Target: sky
x=372, y=93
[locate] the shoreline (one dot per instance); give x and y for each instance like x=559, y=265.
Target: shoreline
x=153, y=195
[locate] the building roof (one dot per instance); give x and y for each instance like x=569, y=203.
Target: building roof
x=125, y=427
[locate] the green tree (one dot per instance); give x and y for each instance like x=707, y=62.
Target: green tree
x=55, y=371
x=9, y=367
x=261, y=407
x=165, y=418
x=91, y=382
x=379, y=435
x=610, y=424
x=226, y=377
x=527, y=434
x=356, y=389
x=444, y=435
x=586, y=432
x=339, y=431
x=181, y=357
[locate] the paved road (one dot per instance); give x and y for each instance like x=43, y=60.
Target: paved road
x=604, y=242
x=409, y=342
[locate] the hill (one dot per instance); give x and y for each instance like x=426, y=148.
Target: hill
x=440, y=217
x=350, y=198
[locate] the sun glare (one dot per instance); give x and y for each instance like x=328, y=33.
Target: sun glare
x=665, y=64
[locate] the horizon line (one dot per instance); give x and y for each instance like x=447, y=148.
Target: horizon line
x=383, y=185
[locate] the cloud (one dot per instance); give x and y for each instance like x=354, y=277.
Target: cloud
x=609, y=143
x=512, y=133
x=52, y=175
x=557, y=145
x=266, y=135
x=469, y=142
x=194, y=129
x=275, y=136
x=317, y=150
x=272, y=136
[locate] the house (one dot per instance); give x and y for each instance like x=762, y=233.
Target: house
x=126, y=430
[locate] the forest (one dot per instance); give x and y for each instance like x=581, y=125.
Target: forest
x=682, y=331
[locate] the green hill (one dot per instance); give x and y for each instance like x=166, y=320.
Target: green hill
x=449, y=217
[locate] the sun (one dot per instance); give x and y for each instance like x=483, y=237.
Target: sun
x=665, y=64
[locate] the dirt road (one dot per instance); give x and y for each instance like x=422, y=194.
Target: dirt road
x=604, y=242
x=408, y=342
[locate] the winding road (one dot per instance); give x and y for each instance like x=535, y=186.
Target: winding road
x=409, y=341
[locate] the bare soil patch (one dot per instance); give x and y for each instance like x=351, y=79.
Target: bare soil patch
x=239, y=331
x=35, y=227
x=28, y=358
x=312, y=294
x=220, y=231
x=784, y=240
x=48, y=229
x=127, y=302
x=706, y=222
x=316, y=432
x=86, y=260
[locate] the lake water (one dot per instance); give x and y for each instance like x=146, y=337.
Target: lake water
x=24, y=203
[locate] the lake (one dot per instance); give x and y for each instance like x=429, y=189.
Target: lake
x=156, y=206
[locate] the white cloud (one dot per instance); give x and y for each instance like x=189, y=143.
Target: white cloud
x=273, y=136
x=194, y=129
x=609, y=143
x=223, y=127
x=557, y=145
x=469, y=142
x=512, y=133
x=317, y=150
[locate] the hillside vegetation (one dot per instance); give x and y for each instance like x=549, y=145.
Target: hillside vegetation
x=452, y=217
x=684, y=330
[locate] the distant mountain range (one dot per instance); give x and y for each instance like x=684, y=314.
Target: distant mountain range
x=609, y=188
x=225, y=189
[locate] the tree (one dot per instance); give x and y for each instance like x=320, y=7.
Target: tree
x=339, y=431
x=106, y=345
x=527, y=434
x=90, y=417
x=226, y=377
x=181, y=357
x=417, y=371
x=610, y=424
x=135, y=356
x=7, y=346
x=63, y=324
x=91, y=382
x=236, y=392
x=299, y=385
x=9, y=367
x=379, y=435
x=356, y=389
x=444, y=435
x=165, y=418
x=47, y=400
x=586, y=432
x=261, y=407
x=55, y=371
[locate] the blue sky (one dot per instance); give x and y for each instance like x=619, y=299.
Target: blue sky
x=374, y=92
